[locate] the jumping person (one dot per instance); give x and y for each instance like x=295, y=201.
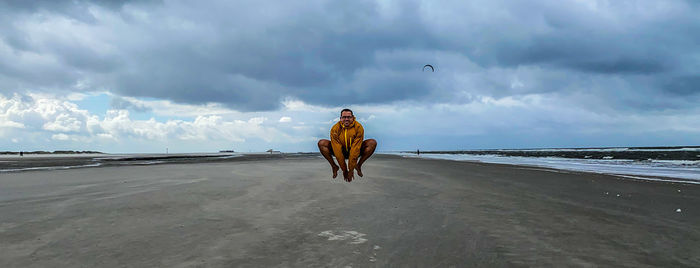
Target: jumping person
x=347, y=142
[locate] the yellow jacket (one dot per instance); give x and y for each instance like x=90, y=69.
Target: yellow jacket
x=347, y=141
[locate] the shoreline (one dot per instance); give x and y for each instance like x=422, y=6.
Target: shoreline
x=50, y=163
x=630, y=169
x=687, y=153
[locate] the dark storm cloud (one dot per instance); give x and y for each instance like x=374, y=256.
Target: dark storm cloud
x=683, y=85
x=75, y=9
x=63, y=5
x=623, y=37
x=584, y=56
x=251, y=55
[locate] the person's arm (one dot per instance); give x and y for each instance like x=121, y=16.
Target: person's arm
x=355, y=148
x=338, y=148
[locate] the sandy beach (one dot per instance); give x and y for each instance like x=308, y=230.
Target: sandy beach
x=286, y=211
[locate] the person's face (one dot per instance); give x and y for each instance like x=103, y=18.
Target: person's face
x=346, y=118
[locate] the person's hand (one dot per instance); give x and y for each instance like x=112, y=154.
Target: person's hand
x=345, y=175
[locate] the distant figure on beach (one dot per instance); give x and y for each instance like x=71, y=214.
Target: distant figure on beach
x=21, y=153
x=347, y=142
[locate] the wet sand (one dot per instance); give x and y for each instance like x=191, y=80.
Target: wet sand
x=286, y=211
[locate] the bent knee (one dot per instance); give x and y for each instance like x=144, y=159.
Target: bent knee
x=372, y=142
x=323, y=143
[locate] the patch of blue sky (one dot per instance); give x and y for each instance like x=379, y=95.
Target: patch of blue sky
x=135, y=115
x=97, y=104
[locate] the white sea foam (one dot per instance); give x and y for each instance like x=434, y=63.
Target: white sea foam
x=677, y=162
x=687, y=170
x=616, y=149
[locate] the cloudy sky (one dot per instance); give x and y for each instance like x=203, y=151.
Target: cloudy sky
x=202, y=76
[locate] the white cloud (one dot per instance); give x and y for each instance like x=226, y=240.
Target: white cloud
x=60, y=137
x=45, y=114
x=63, y=123
x=4, y=123
x=39, y=119
x=74, y=96
x=300, y=106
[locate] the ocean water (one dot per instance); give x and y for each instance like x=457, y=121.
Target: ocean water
x=687, y=171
